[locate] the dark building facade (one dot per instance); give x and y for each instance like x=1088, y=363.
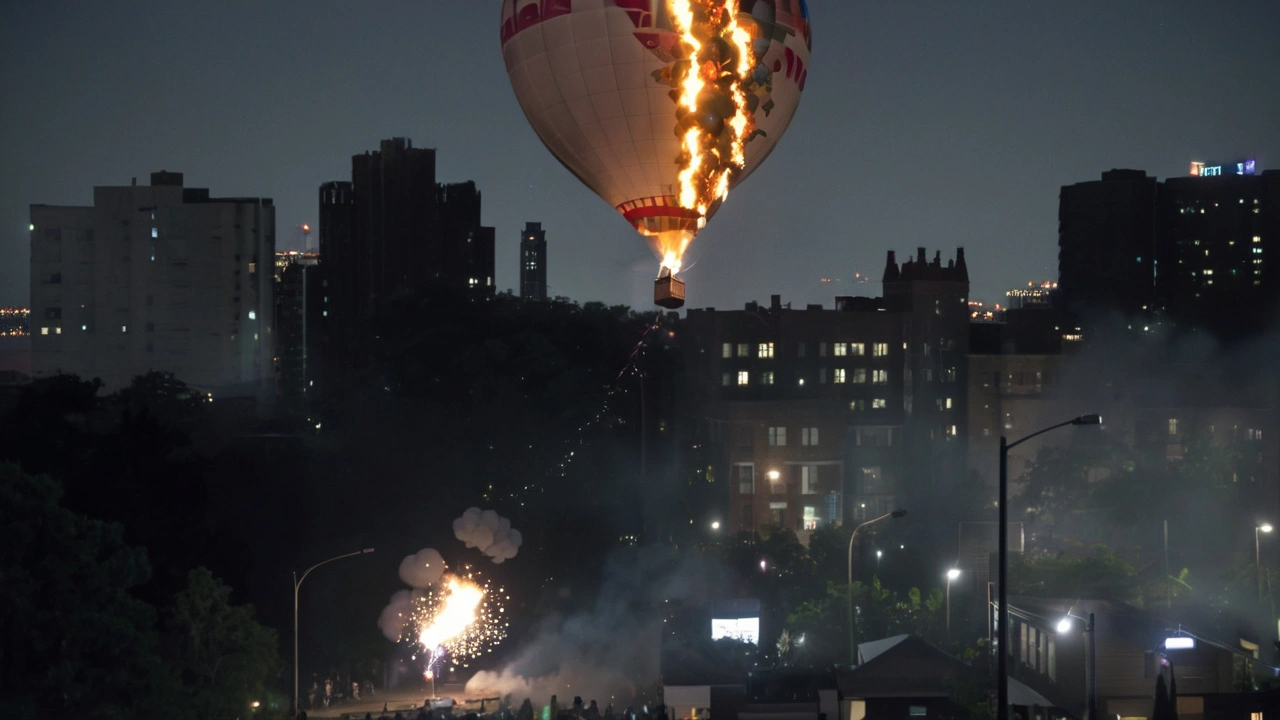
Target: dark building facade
x=1106, y=243
x=533, y=262
x=1194, y=251
x=824, y=416
x=391, y=231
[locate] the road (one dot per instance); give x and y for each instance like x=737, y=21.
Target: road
x=404, y=701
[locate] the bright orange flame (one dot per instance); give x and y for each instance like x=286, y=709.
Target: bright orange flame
x=458, y=612
x=713, y=117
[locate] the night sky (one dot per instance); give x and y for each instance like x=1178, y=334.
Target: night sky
x=940, y=124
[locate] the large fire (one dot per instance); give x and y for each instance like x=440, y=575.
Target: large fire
x=713, y=119
x=459, y=618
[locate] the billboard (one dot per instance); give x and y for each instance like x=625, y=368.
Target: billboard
x=1243, y=167
x=738, y=619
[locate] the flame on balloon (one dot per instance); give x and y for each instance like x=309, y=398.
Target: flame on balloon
x=713, y=120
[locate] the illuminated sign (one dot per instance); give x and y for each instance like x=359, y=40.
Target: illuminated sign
x=1179, y=643
x=744, y=629
x=1244, y=167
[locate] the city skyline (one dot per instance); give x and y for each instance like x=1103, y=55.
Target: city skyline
x=920, y=126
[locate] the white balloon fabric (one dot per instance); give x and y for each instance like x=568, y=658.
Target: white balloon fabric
x=488, y=532
x=422, y=568
x=589, y=77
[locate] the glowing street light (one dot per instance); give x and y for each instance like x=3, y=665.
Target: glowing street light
x=773, y=474
x=715, y=524
x=853, y=649
x=952, y=574
x=297, y=583
x=1257, y=554
x=1002, y=615
x=1064, y=627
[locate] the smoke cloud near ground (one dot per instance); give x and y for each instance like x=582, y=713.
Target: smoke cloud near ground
x=609, y=651
x=488, y=532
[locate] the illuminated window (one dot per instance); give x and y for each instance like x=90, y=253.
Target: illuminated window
x=810, y=517
x=726, y=350
x=809, y=436
x=837, y=375
x=155, y=232
x=858, y=349
x=880, y=349
x=744, y=350
x=744, y=377
x=1173, y=426
x=764, y=350
x=57, y=330
x=948, y=404
x=253, y=314
x=879, y=404
x=951, y=430
x=746, y=478
x=840, y=349
x=777, y=437
x=859, y=375
x=879, y=377
x=808, y=479
x=44, y=331
x=124, y=328
x=766, y=378
x=858, y=405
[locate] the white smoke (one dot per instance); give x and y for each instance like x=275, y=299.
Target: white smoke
x=395, y=616
x=422, y=568
x=489, y=532
x=610, y=652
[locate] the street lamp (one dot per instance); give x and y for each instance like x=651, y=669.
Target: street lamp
x=297, y=583
x=1257, y=554
x=715, y=524
x=1091, y=668
x=853, y=649
x=1002, y=617
x=952, y=574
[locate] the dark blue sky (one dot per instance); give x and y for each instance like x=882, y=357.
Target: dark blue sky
x=923, y=123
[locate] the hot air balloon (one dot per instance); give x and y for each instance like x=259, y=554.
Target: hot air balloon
x=659, y=106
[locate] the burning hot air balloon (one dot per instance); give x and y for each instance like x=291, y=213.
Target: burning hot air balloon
x=659, y=106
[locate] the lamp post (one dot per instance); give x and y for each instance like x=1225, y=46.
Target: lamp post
x=297, y=583
x=1091, y=668
x=1002, y=617
x=853, y=649
x=952, y=574
x=1257, y=554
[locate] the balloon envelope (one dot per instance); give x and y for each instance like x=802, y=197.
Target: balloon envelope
x=594, y=80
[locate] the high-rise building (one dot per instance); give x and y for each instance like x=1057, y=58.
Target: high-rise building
x=1106, y=243
x=299, y=304
x=533, y=262
x=159, y=277
x=1191, y=250
x=394, y=230
x=827, y=416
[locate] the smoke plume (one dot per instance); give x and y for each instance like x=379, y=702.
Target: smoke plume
x=423, y=568
x=609, y=652
x=489, y=532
